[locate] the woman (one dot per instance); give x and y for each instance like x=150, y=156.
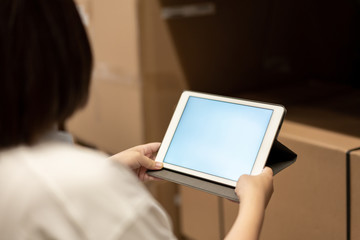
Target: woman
x=51, y=188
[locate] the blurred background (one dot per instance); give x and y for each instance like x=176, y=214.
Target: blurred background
x=304, y=55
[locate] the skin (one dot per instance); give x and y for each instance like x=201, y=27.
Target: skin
x=254, y=192
x=140, y=159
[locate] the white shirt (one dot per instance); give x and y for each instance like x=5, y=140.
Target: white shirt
x=56, y=190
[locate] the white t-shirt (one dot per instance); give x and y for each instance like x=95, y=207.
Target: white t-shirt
x=57, y=190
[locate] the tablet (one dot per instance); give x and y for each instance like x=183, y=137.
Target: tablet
x=219, y=138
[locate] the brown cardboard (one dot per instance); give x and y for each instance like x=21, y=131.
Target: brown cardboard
x=115, y=35
x=159, y=102
x=162, y=76
x=112, y=120
x=199, y=214
x=355, y=194
x=309, y=201
x=131, y=101
x=113, y=30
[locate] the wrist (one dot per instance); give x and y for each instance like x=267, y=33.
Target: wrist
x=253, y=201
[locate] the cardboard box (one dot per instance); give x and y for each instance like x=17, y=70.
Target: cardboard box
x=162, y=76
x=112, y=120
x=199, y=214
x=137, y=78
x=355, y=194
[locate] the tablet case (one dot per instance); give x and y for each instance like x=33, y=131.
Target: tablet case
x=280, y=157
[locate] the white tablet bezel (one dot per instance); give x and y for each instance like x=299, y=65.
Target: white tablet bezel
x=271, y=133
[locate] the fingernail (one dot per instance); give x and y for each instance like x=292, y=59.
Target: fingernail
x=158, y=165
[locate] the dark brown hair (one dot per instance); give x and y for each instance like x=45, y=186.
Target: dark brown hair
x=45, y=67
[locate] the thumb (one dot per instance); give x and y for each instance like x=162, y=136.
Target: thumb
x=268, y=171
x=148, y=163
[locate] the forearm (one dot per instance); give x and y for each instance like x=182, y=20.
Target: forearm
x=249, y=221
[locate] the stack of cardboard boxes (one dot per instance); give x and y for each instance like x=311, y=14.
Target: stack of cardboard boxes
x=112, y=120
x=148, y=51
x=354, y=194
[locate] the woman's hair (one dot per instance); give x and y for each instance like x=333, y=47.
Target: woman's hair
x=45, y=67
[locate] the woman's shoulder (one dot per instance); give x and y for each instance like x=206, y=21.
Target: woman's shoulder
x=77, y=183
x=66, y=166
x=76, y=167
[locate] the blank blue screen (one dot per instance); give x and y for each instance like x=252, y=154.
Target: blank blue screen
x=218, y=138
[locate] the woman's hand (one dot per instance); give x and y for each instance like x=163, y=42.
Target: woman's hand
x=254, y=193
x=256, y=188
x=140, y=159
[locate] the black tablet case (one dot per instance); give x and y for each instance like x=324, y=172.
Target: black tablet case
x=279, y=158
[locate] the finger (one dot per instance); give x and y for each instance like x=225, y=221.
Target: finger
x=142, y=174
x=148, y=163
x=144, y=177
x=268, y=171
x=150, y=148
x=147, y=178
x=243, y=176
x=155, y=178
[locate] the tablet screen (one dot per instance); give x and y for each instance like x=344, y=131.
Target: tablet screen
x=218, y=138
